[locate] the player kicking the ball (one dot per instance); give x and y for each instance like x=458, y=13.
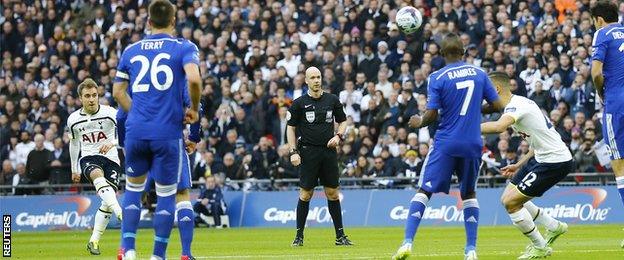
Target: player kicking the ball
x=547, y=162
x=92, y=131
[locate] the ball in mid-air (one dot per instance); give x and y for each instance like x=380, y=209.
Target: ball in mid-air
x=408, y=19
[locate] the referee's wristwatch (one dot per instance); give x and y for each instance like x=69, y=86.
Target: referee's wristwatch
x=340, y=136
x=293, y=151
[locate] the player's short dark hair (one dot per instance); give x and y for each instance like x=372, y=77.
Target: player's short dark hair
x=86, y=84
x=452, y=46
x=605, y=9
x=161, y=13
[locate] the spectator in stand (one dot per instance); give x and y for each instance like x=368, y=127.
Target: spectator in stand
x=38, y=164
x=6, y=175
x=60, y=165
x=210, y=203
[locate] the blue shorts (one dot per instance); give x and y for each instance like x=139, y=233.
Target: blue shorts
x=185, y=178
x=121, y=131
x=161, y=158
x=613, y=133
x=438, y=168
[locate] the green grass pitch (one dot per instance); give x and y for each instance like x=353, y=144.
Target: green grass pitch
x=595, y=242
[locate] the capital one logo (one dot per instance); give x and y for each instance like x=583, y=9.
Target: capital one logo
x=588, y=211
x=61, y=220
x=445, y=213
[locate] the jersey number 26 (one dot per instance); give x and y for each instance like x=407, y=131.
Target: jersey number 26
x=154, y=69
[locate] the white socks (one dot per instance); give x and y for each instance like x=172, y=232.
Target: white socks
x=102, y=216
x=540, y=217
x=107, y=194
x=524, y=222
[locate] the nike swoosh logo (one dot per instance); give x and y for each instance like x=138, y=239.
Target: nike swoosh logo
x=306, y=106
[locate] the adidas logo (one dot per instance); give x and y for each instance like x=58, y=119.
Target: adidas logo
x=132, y=206
x=129, y=170
x=471, y=219
x=417, y=215
x=428, y=184
x=185, y=218
x=163, y=212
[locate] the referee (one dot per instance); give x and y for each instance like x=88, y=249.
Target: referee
x=311, y=119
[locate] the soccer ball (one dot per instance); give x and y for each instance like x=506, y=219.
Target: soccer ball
x=408, y=19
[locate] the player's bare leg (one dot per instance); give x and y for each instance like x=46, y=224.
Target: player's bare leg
x=134, y=187
x=333, y=204
x=184, y=212
x=303, y=206
x=514, y=202
x=108, y=205
x=618, y=170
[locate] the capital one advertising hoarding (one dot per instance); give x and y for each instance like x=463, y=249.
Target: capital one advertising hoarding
x=575, y=205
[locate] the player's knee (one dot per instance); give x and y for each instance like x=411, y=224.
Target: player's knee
x=510, y=204
x=305, y=195
x=332, y=194
x=96, y=173
x=468, y=195
x=182, y=195
x=428, y=194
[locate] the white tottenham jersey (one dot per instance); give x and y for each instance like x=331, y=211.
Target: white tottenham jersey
x=92, y=131
x=537, y=129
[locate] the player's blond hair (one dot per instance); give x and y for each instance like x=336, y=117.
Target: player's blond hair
x=500, y=79
x=86, y=84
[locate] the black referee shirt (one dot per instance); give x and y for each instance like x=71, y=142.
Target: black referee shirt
x=314, y=118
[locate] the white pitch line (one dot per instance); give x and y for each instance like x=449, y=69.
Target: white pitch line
x=388, y=255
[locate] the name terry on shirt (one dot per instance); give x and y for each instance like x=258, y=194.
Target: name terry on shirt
x=151, y=45
x=462, y=73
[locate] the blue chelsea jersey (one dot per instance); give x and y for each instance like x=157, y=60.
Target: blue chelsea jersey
x=608, y=47
x=457, y=91
x=154, y=69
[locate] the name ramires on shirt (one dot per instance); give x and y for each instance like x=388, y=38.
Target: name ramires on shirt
x=461, y=73
x=151, y=45
x=618, y=35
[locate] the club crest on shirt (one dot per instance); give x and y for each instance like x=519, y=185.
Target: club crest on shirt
x=310, y=116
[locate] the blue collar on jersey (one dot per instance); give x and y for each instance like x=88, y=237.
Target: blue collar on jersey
x=159, y=35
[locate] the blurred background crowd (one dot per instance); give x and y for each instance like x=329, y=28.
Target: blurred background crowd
x=253, y=55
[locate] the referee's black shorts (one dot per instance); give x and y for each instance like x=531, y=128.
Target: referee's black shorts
x=319, y=164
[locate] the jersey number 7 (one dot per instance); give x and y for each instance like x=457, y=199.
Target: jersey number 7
x=466, y=84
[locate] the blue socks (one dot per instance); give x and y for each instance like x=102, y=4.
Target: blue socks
x=163, y=222
x=416, y=211
x=186, y=224
x=131, y=208
x=471, y=223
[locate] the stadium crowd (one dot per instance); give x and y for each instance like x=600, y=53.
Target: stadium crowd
x=253, y=55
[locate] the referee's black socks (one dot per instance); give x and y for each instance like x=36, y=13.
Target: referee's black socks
x=302, y=214
x=336, y=213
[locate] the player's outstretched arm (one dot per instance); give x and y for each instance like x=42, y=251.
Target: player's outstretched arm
x=504, y=122
x=598, y=78
x=120, y=93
